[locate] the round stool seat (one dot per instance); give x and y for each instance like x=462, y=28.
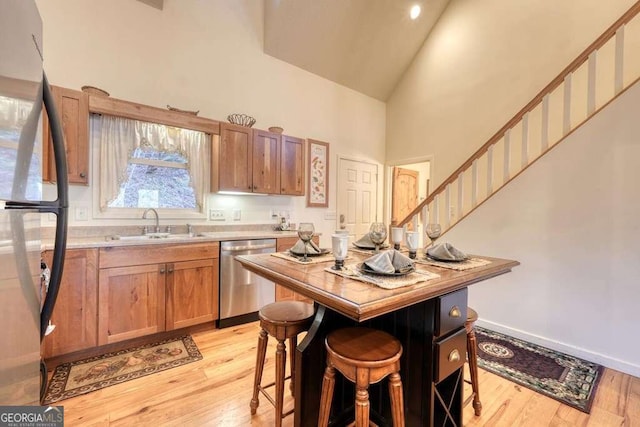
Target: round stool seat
x=472, y=315
x=364, y=356
x=283, y=313
x=364, y=346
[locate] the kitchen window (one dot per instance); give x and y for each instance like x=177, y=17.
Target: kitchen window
x=147, y=165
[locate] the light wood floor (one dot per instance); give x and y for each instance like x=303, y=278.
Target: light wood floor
x=216, y=392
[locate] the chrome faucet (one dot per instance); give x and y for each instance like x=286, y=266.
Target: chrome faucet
x=144, y=216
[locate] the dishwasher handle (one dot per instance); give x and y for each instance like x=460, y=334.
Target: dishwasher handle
x=248, y=248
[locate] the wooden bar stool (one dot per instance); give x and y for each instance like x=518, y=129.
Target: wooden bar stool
x=472, y=357
x=282, y=320
x=364, y=356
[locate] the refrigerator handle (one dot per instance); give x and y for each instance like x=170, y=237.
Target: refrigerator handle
x=59, y=208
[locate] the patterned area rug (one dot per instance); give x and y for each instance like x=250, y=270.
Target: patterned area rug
x=84, y=376
x=565, y=378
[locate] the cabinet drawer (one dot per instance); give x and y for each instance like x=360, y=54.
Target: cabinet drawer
x=451, y=312
x=450, y=354
x=125, y=256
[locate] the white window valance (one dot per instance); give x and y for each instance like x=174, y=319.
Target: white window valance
x=119, y=137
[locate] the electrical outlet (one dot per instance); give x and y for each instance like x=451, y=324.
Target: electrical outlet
x=216, y=214
x=237, y=213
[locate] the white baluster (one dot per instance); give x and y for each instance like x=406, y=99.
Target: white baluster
x=544, y=136
x=591, y=83
x=490, y=171
x=435, y=216
x=507, y=156
x=524, y=152
x=447, y=203
x=474, y=183
x=460, y=196
x=566, y=116
x=619, y=58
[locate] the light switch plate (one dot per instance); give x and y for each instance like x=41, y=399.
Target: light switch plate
x=237, y=214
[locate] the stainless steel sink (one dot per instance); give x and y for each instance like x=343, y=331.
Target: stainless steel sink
x=153, y=236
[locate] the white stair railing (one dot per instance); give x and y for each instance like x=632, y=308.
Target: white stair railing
x=609, y=66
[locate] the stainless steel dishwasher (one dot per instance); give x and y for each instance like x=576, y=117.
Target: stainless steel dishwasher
x=243, y=293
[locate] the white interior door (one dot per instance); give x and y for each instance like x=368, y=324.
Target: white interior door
x=357, y=196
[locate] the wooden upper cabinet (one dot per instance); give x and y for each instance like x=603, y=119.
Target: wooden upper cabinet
x=256, y=161
x=76, y=311
x=266, y=162
x=233, y=166
x=292, y=166
x=73, y=111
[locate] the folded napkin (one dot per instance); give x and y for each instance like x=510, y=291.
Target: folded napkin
x=312, y=248
x=446, y=252
x=389, y=262
x=365, y=243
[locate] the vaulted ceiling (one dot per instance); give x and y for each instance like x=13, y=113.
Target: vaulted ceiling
x=365, y=45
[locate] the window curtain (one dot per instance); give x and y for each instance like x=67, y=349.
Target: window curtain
x=119, y=137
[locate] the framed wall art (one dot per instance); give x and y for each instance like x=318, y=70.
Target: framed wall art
x=318, y=173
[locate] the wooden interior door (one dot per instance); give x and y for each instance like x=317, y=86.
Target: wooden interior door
x=404, y=190
x=357, y=190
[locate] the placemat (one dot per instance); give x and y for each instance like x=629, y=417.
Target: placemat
x=367, y=251
x=387, y=282
x=460, y=266
x=312, y=259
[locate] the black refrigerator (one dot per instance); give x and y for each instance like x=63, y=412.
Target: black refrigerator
x=26, y=300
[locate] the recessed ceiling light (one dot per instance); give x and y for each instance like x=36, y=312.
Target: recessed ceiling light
x=415, y=11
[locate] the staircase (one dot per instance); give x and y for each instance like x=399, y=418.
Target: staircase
x=599, y=75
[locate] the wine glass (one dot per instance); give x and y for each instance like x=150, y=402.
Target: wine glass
x=378, y=234
x=433, y=232
x=305, y=232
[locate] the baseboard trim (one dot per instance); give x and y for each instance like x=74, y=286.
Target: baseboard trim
x=607, y=361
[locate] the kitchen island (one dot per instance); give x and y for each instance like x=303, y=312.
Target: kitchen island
x=428, y=318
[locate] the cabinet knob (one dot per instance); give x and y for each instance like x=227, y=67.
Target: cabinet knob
x=255, y=187
x=454, y=356
x=162, y=270
x=455, y=312
x=283, y=190
x=249, y=187
x=83, y=175
x=170, y=270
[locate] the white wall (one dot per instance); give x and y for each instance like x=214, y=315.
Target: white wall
x=572, y=222
x=207, y=56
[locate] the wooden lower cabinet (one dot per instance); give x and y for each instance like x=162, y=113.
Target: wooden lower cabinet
x=176, y=287
x=192, y=293
x=76, y=310
x=131, y=302
x=283, y=293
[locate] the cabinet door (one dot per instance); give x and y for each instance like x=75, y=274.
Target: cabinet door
x=131, y=302
x=76, y=310
x=266, y=162
x=235, y=158
x=292, y=166
x=73, y=110
x=192, y=293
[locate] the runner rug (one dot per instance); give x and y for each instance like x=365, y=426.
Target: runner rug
x=87, y=375
x=565, y=378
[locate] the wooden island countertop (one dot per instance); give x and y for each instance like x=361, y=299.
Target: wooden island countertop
x=363, y=301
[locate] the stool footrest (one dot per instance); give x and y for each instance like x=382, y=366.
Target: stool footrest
x=262, y=389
